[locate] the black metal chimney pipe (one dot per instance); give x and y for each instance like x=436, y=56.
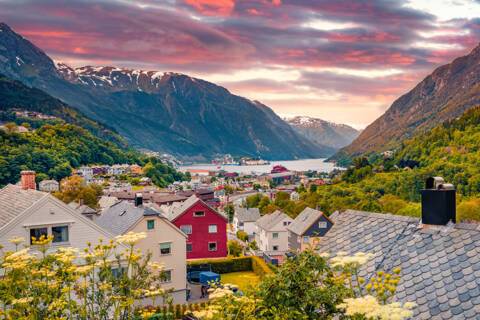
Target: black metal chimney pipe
x=438, y=202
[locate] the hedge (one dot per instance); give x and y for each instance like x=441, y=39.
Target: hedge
x=260, y=268
x=228, y=265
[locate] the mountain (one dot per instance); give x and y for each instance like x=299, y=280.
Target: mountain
x=445, y=94
x=323, y=132
x=15, y=96
x=167, y=112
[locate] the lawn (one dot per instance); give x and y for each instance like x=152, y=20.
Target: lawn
x=242, y=279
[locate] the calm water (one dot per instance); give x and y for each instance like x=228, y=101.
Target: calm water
x=294, y=165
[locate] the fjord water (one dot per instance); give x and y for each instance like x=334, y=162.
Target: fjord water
x=295, y=165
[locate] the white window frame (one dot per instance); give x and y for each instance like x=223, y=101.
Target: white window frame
x=187, y=225
x=170, y=271
x=212, y=225
x=160, y=248
x=191, y=246
x=322, y=224
x=148, y=221
x=198, y=211
x=216, y=246
x=275, y=235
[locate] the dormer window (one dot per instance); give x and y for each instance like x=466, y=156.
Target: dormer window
x=60, y=234
x=199, y=214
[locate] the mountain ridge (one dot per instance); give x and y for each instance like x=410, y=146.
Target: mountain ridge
x=334, y=135
x=445, y=94
x=172, y=113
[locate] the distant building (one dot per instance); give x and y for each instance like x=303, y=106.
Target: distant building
x=271, y=234
x=85, y=172
x=49, y=186
x=307, y=228
x=244, y=220
x=294, y=196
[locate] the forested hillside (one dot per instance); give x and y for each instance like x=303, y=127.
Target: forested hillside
x=451, y=150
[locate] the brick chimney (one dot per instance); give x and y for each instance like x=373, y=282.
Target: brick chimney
x=28, y=180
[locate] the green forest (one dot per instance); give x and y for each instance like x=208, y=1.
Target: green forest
x=450, y=150
x=53, y=151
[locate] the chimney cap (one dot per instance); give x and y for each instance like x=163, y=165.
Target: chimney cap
x=434, y=182
x=27, y=172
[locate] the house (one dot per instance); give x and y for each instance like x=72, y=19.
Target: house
x=294, y=196
x=26, y=212
x=85, y=172
x=281, y=177
x=84, y=210
x=49, y=186
x=439, y=258
x=305, y=231
x=165, y=241
x=271, y=234
x=205, y=227
x=244, y=219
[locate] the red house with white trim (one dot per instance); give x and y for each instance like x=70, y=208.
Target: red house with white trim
x=205, y=227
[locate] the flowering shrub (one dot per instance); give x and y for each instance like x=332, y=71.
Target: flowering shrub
x=312, y=286
x=102, y=282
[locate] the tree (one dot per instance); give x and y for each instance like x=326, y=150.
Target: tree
x=235, y=249
x=230, y=211
x=242, y=235
x=74, y=189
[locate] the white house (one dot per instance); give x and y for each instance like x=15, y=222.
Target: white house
x=244, y=220
x=85, y=172
x=271, y=234
x=30, y=213
x=49, y=186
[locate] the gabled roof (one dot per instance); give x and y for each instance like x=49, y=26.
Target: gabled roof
x=82, y=208
x=269, y=221
x=304, y=221
x=440, y=266
x=247, y=214
x=120, y=217
x=14, y=200
x=178, y=208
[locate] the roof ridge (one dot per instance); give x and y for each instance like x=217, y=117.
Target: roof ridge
x=386, y=216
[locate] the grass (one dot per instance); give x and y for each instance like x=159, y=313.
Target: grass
x=242, y=279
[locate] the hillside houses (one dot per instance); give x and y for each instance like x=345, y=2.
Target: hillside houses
x=245, y=220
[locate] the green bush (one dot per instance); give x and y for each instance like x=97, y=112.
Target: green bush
x=242, y=235
x=259, y=267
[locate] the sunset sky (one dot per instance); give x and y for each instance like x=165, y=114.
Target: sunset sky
x=344, y=61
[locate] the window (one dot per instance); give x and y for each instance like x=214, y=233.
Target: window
x=275, y=248
x=306, y=239
x=212, y=228
x=165, y=248
x=37, y=233
x=286, y=223
x=240, y=224
x=199, y=214
x=60, y=234
x=189, y=247
x=187, y=228
x=275, y=235
x=118, y=272
x=166, y=276
x=150, y=224
x=322, y=224
x=212, y=246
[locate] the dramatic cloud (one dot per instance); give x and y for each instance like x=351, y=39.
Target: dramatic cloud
x=342, y=60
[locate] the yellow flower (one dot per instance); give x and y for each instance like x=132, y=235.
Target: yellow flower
x=17, y=240
x=131, y=238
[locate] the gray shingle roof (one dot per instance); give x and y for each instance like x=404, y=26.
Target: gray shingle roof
x=177, y=208
x=121, y=216
x=304, y=220
x=440, y=265
x=247, y=214
x=268, y=221
x=14, y=200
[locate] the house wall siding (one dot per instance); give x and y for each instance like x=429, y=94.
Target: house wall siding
x=176, y=261
x=53, y=213
x=200, y=236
